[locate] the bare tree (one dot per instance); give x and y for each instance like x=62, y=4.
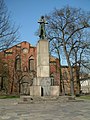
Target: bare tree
x=55, y=49
x=63, y=28
x=4, y=75
x=8, y=31
x=80, y=55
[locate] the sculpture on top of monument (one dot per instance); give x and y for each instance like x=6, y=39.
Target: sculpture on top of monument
x=42, y=32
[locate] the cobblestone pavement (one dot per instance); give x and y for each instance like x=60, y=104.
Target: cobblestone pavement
x=11, y=110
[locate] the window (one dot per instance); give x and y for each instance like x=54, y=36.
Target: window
x=25, y=50
x=53, y=63
x=25, y=69
x=31, y=63
x=2, y=82
x=8, y=52
x=18, y=45
x=18, y=63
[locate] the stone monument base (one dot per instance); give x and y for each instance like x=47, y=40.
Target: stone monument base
x=35, y=91
x=54, y=90
x=44, y=91
x=42, y=87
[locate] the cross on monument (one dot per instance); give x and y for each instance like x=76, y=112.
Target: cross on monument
x=42, y=32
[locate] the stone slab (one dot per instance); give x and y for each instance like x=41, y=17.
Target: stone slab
x=43, y=46
x=25, y=99
x=35, y=90
x=42, y=81
x=45, y=83
x=43, y=59
x=43, y=71
x=54, y=90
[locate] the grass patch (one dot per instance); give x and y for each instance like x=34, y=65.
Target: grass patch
x=87, y=97
x=8, y=96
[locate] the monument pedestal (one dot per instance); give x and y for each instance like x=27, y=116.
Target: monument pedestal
x=35, y=90
x=43, y=71
x=42, y=87
x=43, y=59
x=45, y=83
x=42, y=83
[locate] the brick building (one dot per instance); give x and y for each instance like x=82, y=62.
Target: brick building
x=18, y=68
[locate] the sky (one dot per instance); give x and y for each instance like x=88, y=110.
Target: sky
x=26, y=13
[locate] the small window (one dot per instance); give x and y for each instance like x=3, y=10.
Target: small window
x=2, y=82
x=25, y=69
x=18, y=63
x=31, y=64
x=53, y=63
x=25, y=50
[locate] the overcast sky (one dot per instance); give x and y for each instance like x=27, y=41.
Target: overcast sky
x=27, y=12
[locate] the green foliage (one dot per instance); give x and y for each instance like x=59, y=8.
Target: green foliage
x=86, y=97
x=8, y=96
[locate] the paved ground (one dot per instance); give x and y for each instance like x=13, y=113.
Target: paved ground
x=11, y=110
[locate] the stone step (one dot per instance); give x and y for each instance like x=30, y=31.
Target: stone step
x=35, y=99
x=42, y=99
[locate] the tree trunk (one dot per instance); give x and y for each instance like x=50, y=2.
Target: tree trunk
x=70, y=71
x=77, y=80
x=60, y=72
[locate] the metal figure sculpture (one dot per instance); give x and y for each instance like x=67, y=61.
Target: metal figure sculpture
x=42, y=32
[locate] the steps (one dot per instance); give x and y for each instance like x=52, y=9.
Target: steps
x=35, y=99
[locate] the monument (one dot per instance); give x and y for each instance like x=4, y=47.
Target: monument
x=42, y=83
x=42, y=51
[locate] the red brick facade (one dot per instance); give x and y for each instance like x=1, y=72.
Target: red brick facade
x=18, y=67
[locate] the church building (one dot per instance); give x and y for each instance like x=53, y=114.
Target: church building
x=18, y=68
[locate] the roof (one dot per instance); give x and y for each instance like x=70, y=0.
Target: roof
x=52, y=59
x=19, y=44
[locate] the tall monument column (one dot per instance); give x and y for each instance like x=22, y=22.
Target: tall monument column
x=43, y=71
x=42, y=83
x=43, y=58
x=42, y=51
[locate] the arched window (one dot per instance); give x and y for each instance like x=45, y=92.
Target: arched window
x=3, y=81
x=18, y=63
x=31, y=63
